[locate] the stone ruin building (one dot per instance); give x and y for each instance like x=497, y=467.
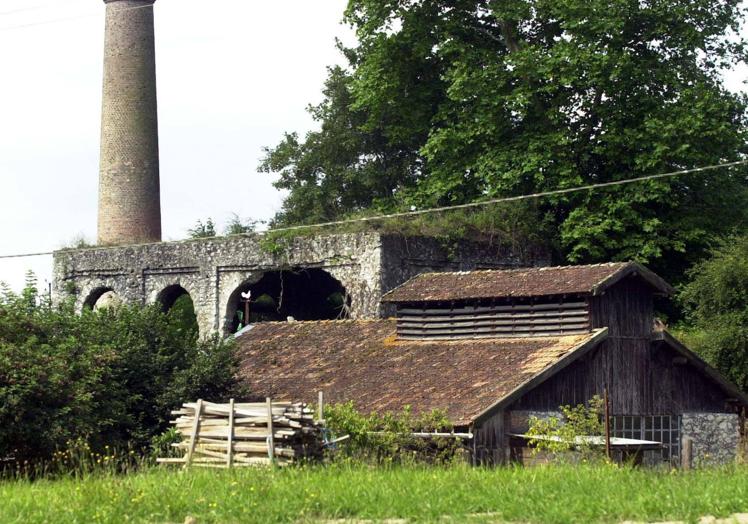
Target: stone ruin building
x=315, y=277
x=491, y=348
x=354, y=270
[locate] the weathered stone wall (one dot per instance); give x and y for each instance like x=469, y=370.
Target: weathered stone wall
x=129, y=191
x=716, y=437
x=212, y=270
x=405, y=257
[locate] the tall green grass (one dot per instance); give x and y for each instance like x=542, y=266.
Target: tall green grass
x=423, y=494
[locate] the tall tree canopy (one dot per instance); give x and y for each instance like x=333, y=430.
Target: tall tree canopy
x=451, y=101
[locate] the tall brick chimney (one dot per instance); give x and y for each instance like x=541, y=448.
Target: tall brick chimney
x=129, y=187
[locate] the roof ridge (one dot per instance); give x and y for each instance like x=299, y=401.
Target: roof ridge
x=584, y=279
x=323, y=321
x=528, y=268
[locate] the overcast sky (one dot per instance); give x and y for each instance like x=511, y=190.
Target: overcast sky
x=233, y=75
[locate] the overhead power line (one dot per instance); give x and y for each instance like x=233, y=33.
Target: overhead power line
x=23, y=10
x=70, y=18
x=514, y=198
x=483, y=203
x=30, y=8
x=27, y=255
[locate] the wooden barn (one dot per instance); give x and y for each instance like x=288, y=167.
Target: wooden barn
x=493, y=348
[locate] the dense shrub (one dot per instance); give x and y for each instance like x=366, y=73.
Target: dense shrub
x=110, y=377
x=716, y=302
x=388, y=437
x=570, y=432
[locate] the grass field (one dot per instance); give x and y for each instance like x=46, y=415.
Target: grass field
x=551, y=494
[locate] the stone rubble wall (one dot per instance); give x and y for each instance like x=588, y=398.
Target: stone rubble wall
x=716, y=437
x=211, y=270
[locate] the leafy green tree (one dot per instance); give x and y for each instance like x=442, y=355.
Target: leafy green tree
x=349, y=165
x=182, y=314
x=109, y=377
x=237, y=226
x=203, y=230
x=450, y=102
x=716, y=300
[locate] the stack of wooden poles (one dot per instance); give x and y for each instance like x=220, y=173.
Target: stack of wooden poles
x=245, y=434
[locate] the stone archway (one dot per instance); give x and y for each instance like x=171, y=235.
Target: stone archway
x=101, y=298
x=169, y=296
x=304, y=294
x=178, y=303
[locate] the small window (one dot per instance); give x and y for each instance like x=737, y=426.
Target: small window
x=657, y=428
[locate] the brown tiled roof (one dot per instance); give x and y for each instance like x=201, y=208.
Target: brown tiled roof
x=363, y=362
x=530, y=282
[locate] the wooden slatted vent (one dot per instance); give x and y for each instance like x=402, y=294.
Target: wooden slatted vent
x=493, y=321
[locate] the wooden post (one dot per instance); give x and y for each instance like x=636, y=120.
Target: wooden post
x=743, y=444
x=193, y=434
x=321, y=407
x=271, y=443
x=230, y=451
x=686, y=453
x=607, y=425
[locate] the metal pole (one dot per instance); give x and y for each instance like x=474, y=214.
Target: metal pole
x=246, y=312
x=607, y=425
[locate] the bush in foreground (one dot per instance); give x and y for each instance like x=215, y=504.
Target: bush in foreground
x=108, y=377
x=388, y=438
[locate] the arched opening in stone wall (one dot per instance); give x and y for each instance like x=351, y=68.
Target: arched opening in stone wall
x=176, y=302
x=304, y=294
x=101, y=298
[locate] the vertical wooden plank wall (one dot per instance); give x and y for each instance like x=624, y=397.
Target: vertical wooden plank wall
x=490, y=440
x=643, y=378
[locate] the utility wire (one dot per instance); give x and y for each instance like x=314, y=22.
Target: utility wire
x=515, y=198
x=23, y=10
x=27, y=255
x=30, y=8
x=482, y=203
x=78, y=17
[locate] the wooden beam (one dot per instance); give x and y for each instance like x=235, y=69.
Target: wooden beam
x=271, y=443
x=230, y=448
x=193, y=434
x=470, y=316
x=686, y=453
x=547, y=306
